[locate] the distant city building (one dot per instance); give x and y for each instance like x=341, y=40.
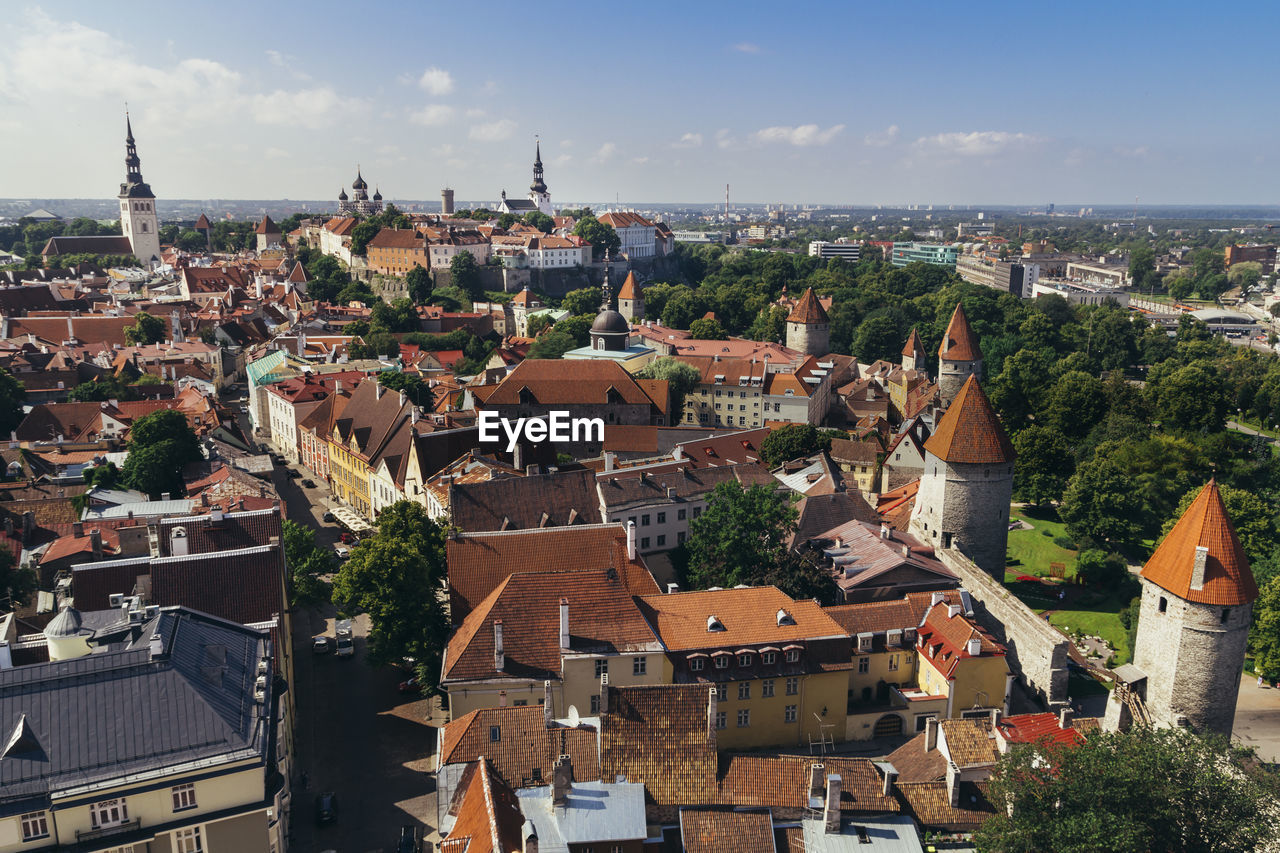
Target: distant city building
x=359, y=202
x=937, y=254
x=267, y=233
x=638, y=235
x=1110, y=274
x=846, y=251
x=1010, y=277
x=446, y=201
x=699, y=236
x=1265, y=255
x=1080, y=294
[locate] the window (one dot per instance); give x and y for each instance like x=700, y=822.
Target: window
x=644, y=520
x=744, y=660
x=766, y=688
x=744, y=690
x=184, y=797
x=639, y=666
x=722, y=662
x=864, y=664
x=1226, y=614
x=662, y=518
x=1164, y=604
x=35, y=825
x=793, y=655
x=793, y=686
x=520, y=703
x=697, y=664
x=644, y=541
x=744, y=718
x=495, y=734
x=187, y=840
x=722, y=692
x=768, y=658
x=602, y=667
x=893, y=662
x=680, y=538
x=680, y=515
x=595, y=703
x=662, y=540
x=108, y=813
x=789, y=714
x=722, y=720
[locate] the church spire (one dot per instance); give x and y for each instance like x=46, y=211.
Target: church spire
x=132, y=163
x=606, y=294
x=538, y=185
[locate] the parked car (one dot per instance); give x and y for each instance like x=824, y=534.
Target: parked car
x=342, y=551
x=408, y=842
x=291, y=473
x=343, y=631
x=412, y=685
x=326, y=808
x=308, y=484
x=321, y=645
x=346, y=537
x=327, y=518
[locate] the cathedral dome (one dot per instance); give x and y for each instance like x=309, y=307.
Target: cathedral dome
x=359, y=183
x=342, y=195
x=377, y=195
x=610, y=321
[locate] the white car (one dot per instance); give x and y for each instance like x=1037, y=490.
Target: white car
x=342, y=551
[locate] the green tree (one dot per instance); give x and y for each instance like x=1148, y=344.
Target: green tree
x=361, y=235
x=553, y=344
x=17, y=583
x=682, y=307
x=1044, y=464
x=681, y=378
x=1147, y=789
x=1075, y=404
x=1245, y=274
x=1018, y=391
x=585, y=300
x=160, y=445
x=419, y=281
x=707, y=329
x=1253, y=518
x=1142, y=268
x=307, y=563
x=105, y=476
x=1099, y=568
x=537, y=323
x=598, y=234
x=770, y=324
x=577, y=327
x=1100, y=504
x=742, y=533
x=12, y=393
x=145, y=330
x=792, y=441
x=878, y=337
x=1190, y=399
x=464, y=274
x=1264, y=639
x=540, y=220
x=397, y=577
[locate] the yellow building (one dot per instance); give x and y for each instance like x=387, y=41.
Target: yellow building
x=366, y=427
x=960, y=661
x=578, y=630
x=780, y=667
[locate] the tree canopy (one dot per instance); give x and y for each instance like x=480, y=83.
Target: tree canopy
x=160, y=445
x=307, y=563
x=145, y=329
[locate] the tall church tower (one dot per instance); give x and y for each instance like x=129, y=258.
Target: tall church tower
x=959, y=356
x=967, y=484
x=1197, y=598
x=809, y=327
x=538, y=193
x=138, y=205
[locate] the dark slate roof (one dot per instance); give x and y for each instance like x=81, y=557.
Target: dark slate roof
x=524, y=503
x=519, y=204
x=87, y=245
x=101, y=716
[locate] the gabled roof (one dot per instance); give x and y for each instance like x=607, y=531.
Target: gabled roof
x=523, y=749
x=202, y=223
x=782, y=782
x=748, y=615
x=555, y=382
x=489, y=818
x=630, y=290
x=808, y=310
x=661, y=737
x=914, y=348
x=944, y=639
x=1227, y=578
x=514, y=503
x=959, y=343
x=266, y=226
x=1034, y=728
x=724, y=830
x=970, y=432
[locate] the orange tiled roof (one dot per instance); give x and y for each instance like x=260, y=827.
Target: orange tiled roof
x=959, y=343
x=749, y=615
x=630, y=290
x=489, y=817
x=659, y=736
x=970, y=743
x=808, y=310
x=944, y=639
x=525, y=749
x=970, y=432
x=783, y=782
x=930, y=804
x=726, y=831
x=914, y=347
x=1228, y=580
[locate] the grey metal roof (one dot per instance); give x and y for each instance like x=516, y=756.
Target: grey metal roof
x=99, y=717
x=141, y=509
x=887, y=834
x=597, y=812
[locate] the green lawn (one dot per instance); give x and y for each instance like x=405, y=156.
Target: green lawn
x=1030, y=551
x=1096, y=623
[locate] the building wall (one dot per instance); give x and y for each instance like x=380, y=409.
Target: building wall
x=980, y=683
x=1192, y=659
x=709, y=404
x=396, y=261
x=659, y=526
x=953, y=374
x=966, y=507
x=767, y=725
x=350, y=478
x=809, y=338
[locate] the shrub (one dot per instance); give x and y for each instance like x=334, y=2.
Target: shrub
x=1065, y=542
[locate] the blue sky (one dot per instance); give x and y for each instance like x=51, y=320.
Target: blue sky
x=884, y=103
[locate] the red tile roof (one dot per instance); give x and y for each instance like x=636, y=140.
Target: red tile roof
x=959, y=343
x=726, y=831
x=1034, y=728
x=525, y=749
x=943, y=639
x=555, y=382
x=266, y=226
x=970, y=432
x=488, y=819
x=1228, y=580
x=914, y=347
x=660, y=737
x=808, y=310
x=783, y=782
x=629, y=289
x=749, y=615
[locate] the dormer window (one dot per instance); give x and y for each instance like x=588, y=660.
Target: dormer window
x=864, y=641
x=792, y=654
x=722, y=660
x=714, y=623
x=744, y=659
x=785, y=618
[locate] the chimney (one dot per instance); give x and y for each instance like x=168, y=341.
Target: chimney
x=8, y=525
x=711, y=715
x=499, y=659
x=6, y=655
x=631, y=540
x=156, y=646
x=937, y=598
x=995, y=718
x=817, y=775
x=95, y=542
x=561, y=780
x=890, y=776
x=930, y=734
x=502, y=698
x=529, y=835
x=673, y=587
x=564, y=623
x=77, y=529
x=974, y=647
x=1064, y=718
x=548, y=709
x=886, y=532
x=953, y=784
x=831, y=814
x=1198, y=568
x=28, y=524
x=609, y=459
x=953, y=610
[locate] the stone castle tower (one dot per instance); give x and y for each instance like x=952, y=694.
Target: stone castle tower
x=138, y=220
x=967, y=484
x=913, y=352
x=1197, y=599
x=631, y=299
x=959, y=356
x=809, y=327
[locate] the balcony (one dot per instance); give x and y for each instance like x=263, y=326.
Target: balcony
x=83, y=836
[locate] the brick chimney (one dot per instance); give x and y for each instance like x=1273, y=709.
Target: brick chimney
x=930, y=734
x=1064, y=718
x=631, y=540
x=95, y=542
x=711, y=715
x=548, y=709
x=561, y=781
x=817, y=781
x=890, y=776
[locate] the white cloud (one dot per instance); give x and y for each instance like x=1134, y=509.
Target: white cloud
x=639, y=161
x=605, y=153
x=978, y=143
x=490, y=87
x=746, y=47
x=804, y=135
x=494, y=131
x=436, y=81
x=310, y=108
x=433, y=115
x=882, y=139
x=724, y=139
x=474, y=113
x=276, y=58
x=689, y=140
x=561, y=160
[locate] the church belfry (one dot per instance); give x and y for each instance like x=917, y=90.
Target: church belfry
x=538, y=193
x=138, y=220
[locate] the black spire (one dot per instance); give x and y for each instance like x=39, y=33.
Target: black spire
x=134, y=186
x=538, y=185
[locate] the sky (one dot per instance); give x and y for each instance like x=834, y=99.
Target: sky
x=821, y=103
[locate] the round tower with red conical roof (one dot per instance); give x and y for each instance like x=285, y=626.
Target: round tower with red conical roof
x=808, y=326
x=967, y=485
x=959, y=356
x=1197, y=599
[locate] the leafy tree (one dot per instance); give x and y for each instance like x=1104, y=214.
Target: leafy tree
x=1075, y=404
x=160, y=444
x=537, y=323
x=770, y=324
x=801, y=579
x=145, y=330
x=707, y=329
x=1098, y=568
x=577, y=327
x=540, y=220
x=1100, y=505
x=585, y=300
x=742, y=533
x=1190, y=398
x=307, y=563
x=419, y=281
x=17, y=583
x=409, y=384
x=792, y=441
x=682, y=307
x=1044, y=464
x=878, y=337
x=11, y=396
x=598, y=234
x=361, y=235
x=1147, y=789
x=553, y=344
x=105, y=476
x=464, y=274
x=1142, y=268
x=1264, y=639
x=1018, y=391
x=397, y=577
x=681, y=378
x=1245, y=274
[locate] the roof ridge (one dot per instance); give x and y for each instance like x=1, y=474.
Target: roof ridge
x=959, y=343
